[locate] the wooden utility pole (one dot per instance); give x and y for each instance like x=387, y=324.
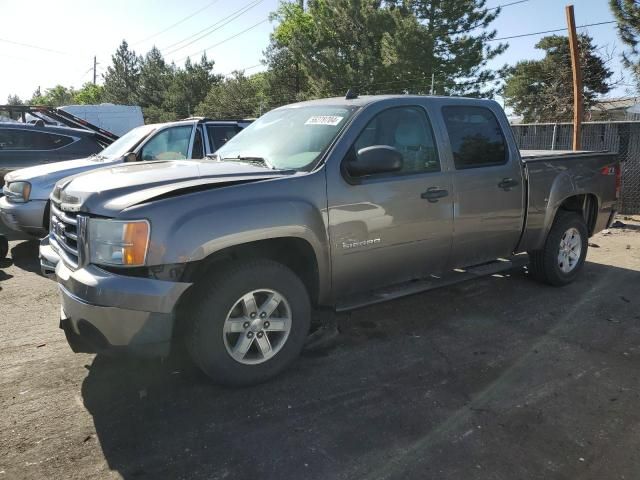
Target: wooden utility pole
x=577, y=78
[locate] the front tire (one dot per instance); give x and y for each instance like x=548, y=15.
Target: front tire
x=560, y=260
x=249, y=323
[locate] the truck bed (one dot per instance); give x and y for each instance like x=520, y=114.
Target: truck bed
x=551, y=179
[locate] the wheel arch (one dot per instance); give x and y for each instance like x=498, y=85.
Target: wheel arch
x=296, y=253
x=586, y=204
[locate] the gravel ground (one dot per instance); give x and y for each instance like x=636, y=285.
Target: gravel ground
x=499, y=378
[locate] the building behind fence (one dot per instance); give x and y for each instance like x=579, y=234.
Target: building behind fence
x=620, y=137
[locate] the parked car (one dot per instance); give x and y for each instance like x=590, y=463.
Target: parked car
x=26, y=192
x=25, y=145
x=337, y=202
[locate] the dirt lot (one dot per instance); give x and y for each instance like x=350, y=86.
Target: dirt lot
x=500, y=378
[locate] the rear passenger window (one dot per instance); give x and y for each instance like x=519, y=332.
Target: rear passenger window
x=408, y=130
x=476, y=137
x=18, y=139
x=221, y=134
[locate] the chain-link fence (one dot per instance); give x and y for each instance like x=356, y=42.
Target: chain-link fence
x=620, y=137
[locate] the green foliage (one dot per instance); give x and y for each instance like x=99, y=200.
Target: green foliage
x=235, y=97
x=154, y=79
x=122, y=79
x=89, y=94
x=189, y=87
x=55, y=97
x=372, y=46
x=542, y=90
x=14, y=100
x=627, y=15
x=380, y=47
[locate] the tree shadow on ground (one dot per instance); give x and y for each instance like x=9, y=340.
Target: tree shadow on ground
x=454, y=383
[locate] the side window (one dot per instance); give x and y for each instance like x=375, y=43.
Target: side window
x=169, y=144
x=407, y=129
x=221, y=134
x=53, y=141
x=476, y=137
x=14, y=139
x=198, y=149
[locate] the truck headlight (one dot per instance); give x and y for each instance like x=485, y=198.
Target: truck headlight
x=19, y=191
x=115, y=242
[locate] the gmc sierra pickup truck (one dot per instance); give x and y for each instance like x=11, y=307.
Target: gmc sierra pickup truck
x=339, y=202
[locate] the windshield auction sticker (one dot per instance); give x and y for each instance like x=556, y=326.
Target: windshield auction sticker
x=332, y=120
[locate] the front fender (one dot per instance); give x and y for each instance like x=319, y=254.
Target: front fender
x=192, y=227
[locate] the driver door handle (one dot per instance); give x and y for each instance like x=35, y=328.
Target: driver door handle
x=507, y=183
x=433, y=194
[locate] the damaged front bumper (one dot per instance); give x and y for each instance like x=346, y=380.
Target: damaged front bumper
x=102, y=312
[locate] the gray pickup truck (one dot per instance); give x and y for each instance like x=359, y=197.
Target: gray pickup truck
x=339, y=203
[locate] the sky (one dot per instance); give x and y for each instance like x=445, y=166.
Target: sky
x=44, y=43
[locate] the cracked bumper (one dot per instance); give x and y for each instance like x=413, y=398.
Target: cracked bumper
x=106, y=313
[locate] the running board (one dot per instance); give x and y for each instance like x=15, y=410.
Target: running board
x=418, y=286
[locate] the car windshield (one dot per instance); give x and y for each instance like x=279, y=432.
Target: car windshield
x=288, y=138
x=126, y=143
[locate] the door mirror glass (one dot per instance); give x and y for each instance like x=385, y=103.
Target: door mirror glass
x=130, y=157
x=375, y=159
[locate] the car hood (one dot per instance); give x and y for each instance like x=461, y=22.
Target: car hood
x=44, y=177
x=110, y=190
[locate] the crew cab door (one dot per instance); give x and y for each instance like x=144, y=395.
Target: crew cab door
x=393, y=227
x=219, y=134
x=488, y=186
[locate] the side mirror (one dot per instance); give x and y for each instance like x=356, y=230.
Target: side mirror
x=130, y=157
x=375, y=159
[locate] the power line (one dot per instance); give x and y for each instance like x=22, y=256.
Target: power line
x=33, y=46
x=549, y=31
x=507, y=5
x=175, y=24
x=243, y=69
x=211, y=28
x=225, y=40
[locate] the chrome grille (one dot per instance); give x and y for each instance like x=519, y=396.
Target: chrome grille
x=63, y=234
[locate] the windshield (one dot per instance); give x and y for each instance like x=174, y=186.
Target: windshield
x=288, y=138
x=127, y=142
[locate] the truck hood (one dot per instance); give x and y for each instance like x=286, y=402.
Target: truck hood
x=44, y=177
x=110, y=190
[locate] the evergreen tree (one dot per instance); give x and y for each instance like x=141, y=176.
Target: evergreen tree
x=122, y=79
x=379, y=47
x=155, y=78
x=190, y=86
x=452, y=45
x=627, y=14
x=14, y=100
x=236, y=97
x=542, y=90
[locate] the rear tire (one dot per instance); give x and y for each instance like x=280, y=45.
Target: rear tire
x=560, y=260
x=4, y=247
x=249, y=323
